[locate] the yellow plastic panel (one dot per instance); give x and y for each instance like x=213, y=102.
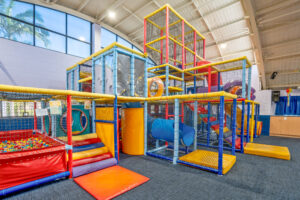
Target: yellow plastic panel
x=267, y=151
x=105, y=131
x=89, y=153
x=80, y=137
x=133, y=131
x=209, y=159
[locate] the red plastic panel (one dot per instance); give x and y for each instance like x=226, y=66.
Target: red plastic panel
x=85, y=161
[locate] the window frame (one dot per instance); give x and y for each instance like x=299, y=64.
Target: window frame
x=34, y=25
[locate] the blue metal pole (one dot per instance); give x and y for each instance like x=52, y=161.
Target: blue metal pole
x=244, y=79
x=115, y=72
x=248, y=121
x=103, y=74
x=256, y=119
x=132, y=75
x=176, y=131
x=208, y=123
x=67, y=81
x=221, y=126
x=242, y=126
x=116, y=128
x=72, y=80
x=195, y=124
x=78, y=77
x=249, y=83
x=93, y=75
x=195, y=85
x=167, y=80
x=233, y=122
x=145, y=107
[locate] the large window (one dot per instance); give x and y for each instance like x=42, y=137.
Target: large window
x=44, y=27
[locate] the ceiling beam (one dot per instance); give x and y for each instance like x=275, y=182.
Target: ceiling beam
x=131, y=13
x=273, y=7
x=249, y=10
x=288, y=55
x=113, y=6
x=283, y=43
x=284, y=85
x=267, y=19
x=82, y=5
x=247, y=34
x=284, y=72
x=280, y=26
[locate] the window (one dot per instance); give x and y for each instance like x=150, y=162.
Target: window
x=50, y=19
x=18, y=109
x=19, y=10
x=78, y=48
x=135, y=48
x=44, y=27
x=50, y=40
x=15, y=30
x=107, y=37
x=79, y=29
x=124, y=42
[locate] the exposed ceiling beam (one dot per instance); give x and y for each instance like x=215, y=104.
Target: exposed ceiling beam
x=249, y=10
x=195, y=3
x=267, y=19
x=113, y=6
x=280, y=26
x=220, y=8
x=284, y=72
x=133, y=14
x=130, y=15
x=283, y=43
x=273, y=7
x=284, y=85
x=82, y=5
x=288, y=55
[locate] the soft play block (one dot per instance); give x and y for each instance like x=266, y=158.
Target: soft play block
x=89, y=153
x=110, y=182
x=268, y=151
x=79, y=137
x=209, y=159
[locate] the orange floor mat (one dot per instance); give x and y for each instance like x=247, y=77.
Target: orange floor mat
x=110, y=182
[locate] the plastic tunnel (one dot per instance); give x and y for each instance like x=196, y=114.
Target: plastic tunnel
x=163, y=129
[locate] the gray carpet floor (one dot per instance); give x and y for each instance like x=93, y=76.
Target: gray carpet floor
x=252, y=177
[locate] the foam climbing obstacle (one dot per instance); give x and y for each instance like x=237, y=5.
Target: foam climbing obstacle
x=110, y=182
x=268, y=151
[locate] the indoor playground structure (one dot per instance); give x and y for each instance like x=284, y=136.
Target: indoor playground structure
x=168, y=102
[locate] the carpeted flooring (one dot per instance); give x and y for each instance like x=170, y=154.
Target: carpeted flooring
x=252, y=177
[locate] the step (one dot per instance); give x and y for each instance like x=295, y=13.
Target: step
x=87, y=147
x=272, y=151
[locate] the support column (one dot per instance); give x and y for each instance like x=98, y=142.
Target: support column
x=233, y=122
x=221, y=126
x=69, y=132
x=195, y=123
x=176, y=131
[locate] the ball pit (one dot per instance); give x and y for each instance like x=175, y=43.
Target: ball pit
x=31, y=143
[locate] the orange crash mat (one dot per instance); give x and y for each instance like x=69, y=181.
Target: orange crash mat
x=209, y=159
x=110, y=182
x=267, y=150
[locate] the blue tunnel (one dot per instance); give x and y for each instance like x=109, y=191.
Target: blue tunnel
x=163, y=129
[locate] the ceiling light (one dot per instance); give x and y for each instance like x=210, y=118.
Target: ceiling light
x=223, y=45
x=111, y=14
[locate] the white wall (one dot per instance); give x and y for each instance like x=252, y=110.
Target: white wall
x=33, y=66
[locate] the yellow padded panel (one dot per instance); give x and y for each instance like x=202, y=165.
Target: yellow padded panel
x=89, y=153
x=80, y=137
x=105, y=131
x=268, y=151
x=225, y=129
x=209, y=159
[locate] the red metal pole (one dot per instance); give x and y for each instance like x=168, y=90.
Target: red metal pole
x=182, y=39
x=145, y=35
x=34, y=117
x=167, y=35
x=161, y=47
x=167, y=111
x=69, y=130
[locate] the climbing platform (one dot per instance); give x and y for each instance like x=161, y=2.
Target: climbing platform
x=267, y=151
x=209, y=159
